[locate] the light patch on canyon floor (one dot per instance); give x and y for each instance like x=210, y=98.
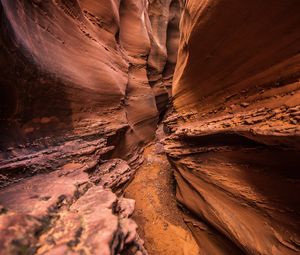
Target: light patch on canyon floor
x=160, y=221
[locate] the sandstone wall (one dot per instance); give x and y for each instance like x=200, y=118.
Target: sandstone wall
x=234, y=133
x=72, y=70
x=77, y=94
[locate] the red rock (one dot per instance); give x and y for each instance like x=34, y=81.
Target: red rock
x=238, y=172
x=83, y=86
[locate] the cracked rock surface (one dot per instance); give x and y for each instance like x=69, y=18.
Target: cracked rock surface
x=65, y=213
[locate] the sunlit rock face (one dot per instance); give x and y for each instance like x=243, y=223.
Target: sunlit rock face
x=78, y=92
x=234, y=133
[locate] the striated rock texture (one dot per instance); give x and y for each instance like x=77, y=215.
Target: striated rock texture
x=83, y=84
x=72, y=68
x=234, y=134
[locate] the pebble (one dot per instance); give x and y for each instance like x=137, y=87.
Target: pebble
x=244, y=104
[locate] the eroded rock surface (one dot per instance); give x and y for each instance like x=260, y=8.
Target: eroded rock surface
x=83, y=83
x=234, y=132
x=70, y=69
x=64, y=212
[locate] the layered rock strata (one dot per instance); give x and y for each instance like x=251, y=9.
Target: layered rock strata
x=78, y=93
x=234, y=132
x=70, y=68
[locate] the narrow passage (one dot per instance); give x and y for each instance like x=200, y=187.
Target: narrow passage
x=160, y=221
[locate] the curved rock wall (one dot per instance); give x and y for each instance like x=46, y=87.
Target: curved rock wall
x=234, y=133
x=72, y=69
x=76, y=96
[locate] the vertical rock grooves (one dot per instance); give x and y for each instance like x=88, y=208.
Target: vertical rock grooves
x=234, y=131
x=164, y=44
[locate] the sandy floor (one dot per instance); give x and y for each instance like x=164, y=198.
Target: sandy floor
x=160, y=221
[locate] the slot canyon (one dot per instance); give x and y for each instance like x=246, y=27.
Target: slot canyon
x=160, y=127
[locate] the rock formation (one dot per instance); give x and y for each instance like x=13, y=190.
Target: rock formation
x=234, y=133
x=83, y=86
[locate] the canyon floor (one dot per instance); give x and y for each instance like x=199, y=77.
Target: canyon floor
x=160, y=221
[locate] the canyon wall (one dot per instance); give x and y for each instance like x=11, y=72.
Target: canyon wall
x=83, y=86
x=234, y=134
x=83, y=83
x=76, y=70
